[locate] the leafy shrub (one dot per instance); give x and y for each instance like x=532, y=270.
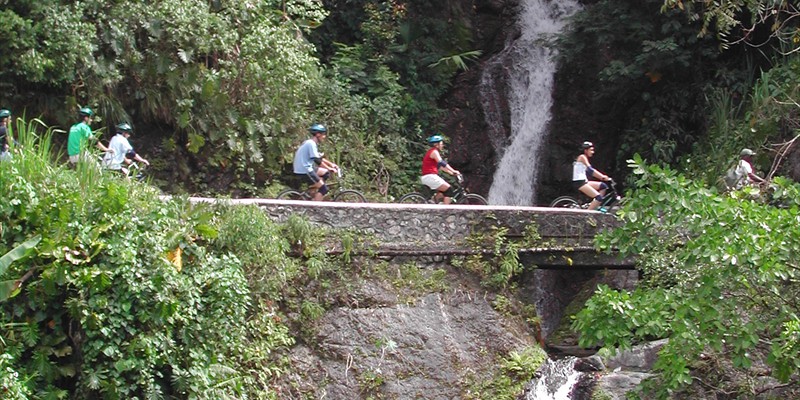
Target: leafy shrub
x=122, y=297
x=718, y=271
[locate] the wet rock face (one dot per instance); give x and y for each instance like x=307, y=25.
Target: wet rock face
x=388, y=343
x=471, y=150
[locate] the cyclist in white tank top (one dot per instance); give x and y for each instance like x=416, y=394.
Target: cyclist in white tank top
x=582, y=171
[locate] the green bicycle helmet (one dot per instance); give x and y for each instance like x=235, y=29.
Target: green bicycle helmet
x=5, y=113
x=435, y=139
x=125, y=127
x=86, y=112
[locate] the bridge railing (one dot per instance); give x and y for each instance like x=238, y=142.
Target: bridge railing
x=549, y=236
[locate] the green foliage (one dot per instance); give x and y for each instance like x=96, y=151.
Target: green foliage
x=516, y=371
x=459, y=60
x=10, y=288
x=123, y=297
x=229, y=106
x=719, y=275
x=398, y=59
x=768, y=118
x=652, y=75
x=770, y=18
x=259, y=244
x=10, y=384
x=418, y=281
x=499, y=270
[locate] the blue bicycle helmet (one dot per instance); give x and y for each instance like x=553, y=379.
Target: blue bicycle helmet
x=318, y=128
x=4, y=113
x=435, y=139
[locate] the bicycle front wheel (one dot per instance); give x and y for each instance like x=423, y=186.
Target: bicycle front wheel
x=565, y=202
x=350, y=196
x=289, y=194
x=413, y=198
x=473, y=199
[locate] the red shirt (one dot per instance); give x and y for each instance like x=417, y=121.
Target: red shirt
x=429, y=164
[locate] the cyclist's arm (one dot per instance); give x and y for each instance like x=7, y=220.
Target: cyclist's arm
x=755, y=178
x=450, y=170
x=593, y=172
x=325, y=163
x=599, y=175
x=102, y=147
x=139, y=158
x=442, y=164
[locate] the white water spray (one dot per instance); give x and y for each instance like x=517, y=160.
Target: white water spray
x=556, y=382
x=529, y=69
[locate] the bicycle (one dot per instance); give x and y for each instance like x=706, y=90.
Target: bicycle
x=129, y=171
x=134, y=171
x=609, y=200
x=337, y=193
x=460, y=196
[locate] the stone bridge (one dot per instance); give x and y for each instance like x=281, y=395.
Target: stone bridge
x=550, y=238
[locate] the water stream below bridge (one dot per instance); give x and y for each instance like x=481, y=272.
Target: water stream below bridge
x=527, y=68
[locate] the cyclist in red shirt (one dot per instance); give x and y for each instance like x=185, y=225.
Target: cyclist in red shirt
x=431, y=164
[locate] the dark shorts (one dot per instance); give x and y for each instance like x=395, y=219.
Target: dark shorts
x=577, y=184
x=309, y=177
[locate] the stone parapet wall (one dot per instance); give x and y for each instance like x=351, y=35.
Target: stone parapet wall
x=428, y=225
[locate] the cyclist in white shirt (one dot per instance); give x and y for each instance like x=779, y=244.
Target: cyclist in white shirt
x=582, y=171
x=123, y=152
x=744, y=170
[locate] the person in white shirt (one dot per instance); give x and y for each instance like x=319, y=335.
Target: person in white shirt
x=123, y=152
x=581, y=172
x=310, y=165
x=744, y=170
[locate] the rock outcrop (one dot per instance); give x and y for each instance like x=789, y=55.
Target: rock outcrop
x=391, y=342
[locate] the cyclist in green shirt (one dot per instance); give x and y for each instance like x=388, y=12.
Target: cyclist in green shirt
x=79, y=136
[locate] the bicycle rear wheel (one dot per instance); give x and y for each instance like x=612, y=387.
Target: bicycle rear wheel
x=565, y=202
x=413, y=198
x=472, y=199
x=289, y=194
x=350, y=196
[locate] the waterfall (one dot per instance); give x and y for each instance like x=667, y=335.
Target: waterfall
x=556, y=382
x=526, y=65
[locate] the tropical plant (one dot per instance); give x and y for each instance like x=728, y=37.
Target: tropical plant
x=650, y=76
x=120, y=295
x=750, y=19
x=719, y=278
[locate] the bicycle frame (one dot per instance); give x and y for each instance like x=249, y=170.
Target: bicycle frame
x=460, y=196
x=301, y=190
x=583, y=201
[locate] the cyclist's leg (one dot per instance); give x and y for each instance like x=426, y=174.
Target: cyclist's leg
x=439, y=185
x=316, y=189
x=592, y=189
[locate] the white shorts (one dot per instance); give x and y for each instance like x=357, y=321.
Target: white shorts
x=82, y=156
x=433, y=181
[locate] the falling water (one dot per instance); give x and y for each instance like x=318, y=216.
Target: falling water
x=556, y=382
x=527, y=65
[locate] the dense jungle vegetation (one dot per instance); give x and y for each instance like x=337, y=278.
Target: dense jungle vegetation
x=108, y=292
x=221, y=92
x=720, y=270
